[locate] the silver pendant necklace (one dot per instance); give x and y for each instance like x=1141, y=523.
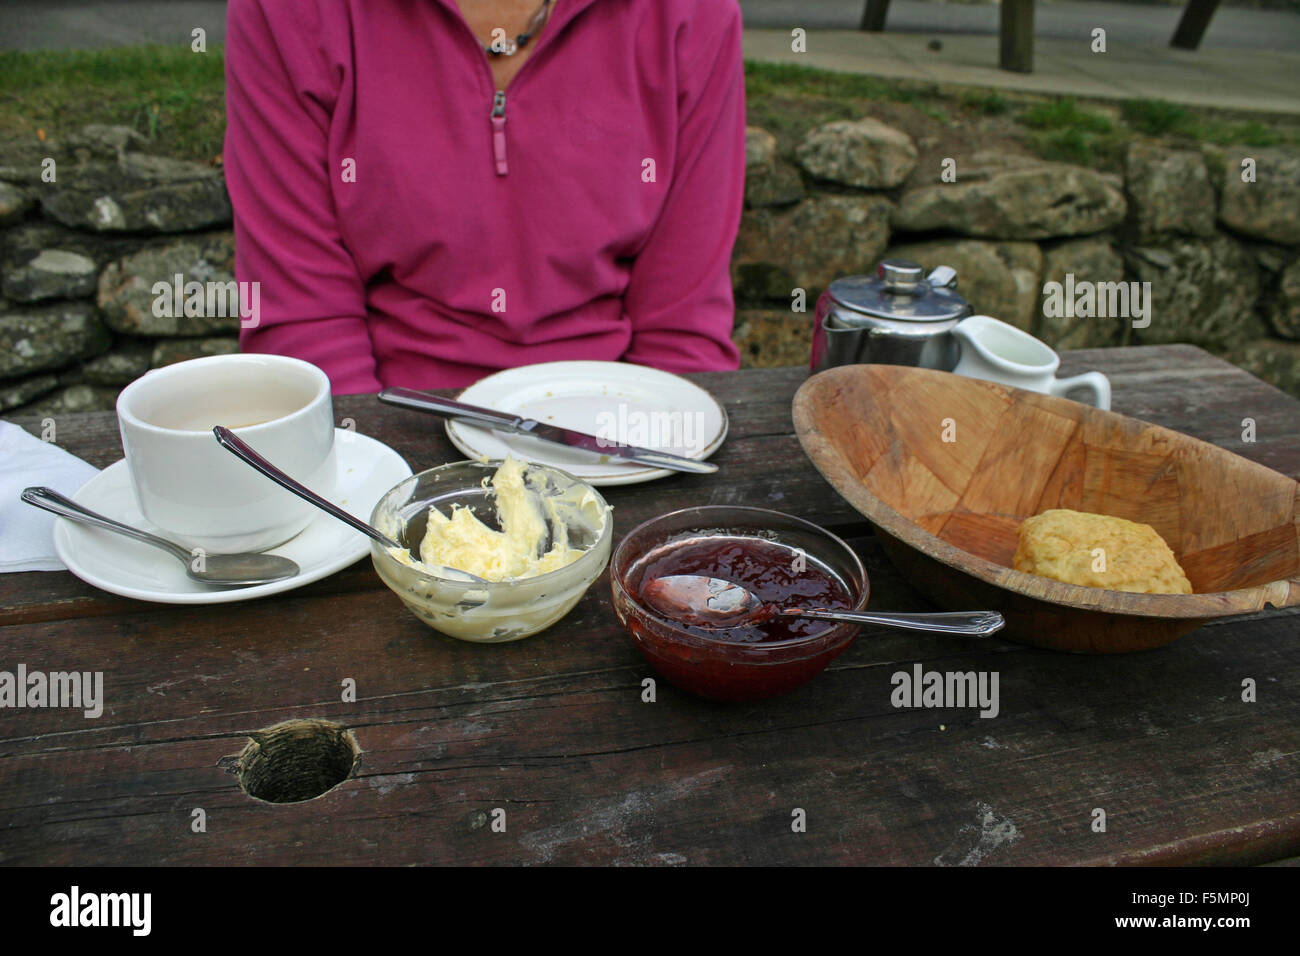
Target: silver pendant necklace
x=502, y=47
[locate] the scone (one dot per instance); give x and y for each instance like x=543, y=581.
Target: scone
x=1062, y=545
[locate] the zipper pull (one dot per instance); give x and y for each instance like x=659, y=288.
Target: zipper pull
x=499, y=132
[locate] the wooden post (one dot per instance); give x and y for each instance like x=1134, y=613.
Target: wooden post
x=1016, y=43
x=873, y=15
x=1191, y=26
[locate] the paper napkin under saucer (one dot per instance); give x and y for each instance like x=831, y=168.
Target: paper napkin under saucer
x=26, y=532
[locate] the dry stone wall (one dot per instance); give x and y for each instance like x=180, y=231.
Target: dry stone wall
x=1216, y=233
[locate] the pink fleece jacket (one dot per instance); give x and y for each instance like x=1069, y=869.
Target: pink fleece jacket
x=404, y=235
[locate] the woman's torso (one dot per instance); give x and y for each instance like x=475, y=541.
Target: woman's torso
x=459, y=260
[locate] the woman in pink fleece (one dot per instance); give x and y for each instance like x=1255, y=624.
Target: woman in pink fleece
x=421, y=213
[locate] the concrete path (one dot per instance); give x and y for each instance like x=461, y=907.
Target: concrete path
x=1135, y=23
x=86, y=24
x=1250, y=59
x=1265, y=80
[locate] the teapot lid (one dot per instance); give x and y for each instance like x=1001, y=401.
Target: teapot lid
x=901, y=290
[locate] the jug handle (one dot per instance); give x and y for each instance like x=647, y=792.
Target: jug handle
x=1095, y=382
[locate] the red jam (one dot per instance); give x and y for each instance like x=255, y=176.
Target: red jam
x=775, y=574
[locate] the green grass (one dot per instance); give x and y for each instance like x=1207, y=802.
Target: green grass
x=1097, y=151
x=786, y=79
x=1064, y=145
x=1250, y=133
x=985, y=102
x=935, y=112
x=1065, y=114
x=1155, y=117
x=1063, y=131
x=1159, y=118
x=171, y=95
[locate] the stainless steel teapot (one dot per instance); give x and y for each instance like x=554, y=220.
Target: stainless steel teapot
x=900, y=316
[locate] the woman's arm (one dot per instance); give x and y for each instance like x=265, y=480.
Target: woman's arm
x=278, y=105
x=679, y=297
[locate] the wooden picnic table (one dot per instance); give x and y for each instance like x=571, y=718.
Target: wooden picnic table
x=551, y=737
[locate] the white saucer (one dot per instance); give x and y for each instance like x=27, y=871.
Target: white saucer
x=626, y=403
x=367, y=469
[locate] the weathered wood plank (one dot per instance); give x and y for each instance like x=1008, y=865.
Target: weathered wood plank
x=588, y=773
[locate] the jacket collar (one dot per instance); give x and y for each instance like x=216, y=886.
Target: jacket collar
x=561, y=13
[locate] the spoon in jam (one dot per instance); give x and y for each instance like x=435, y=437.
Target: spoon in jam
x=712, y=602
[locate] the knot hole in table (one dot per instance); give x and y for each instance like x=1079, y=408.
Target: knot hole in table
x=294, y=761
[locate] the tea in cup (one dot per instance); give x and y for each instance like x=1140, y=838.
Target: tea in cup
x=997, y=352
x=195, y=491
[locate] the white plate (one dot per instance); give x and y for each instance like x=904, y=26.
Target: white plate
x=367, y=469
x=627, y=403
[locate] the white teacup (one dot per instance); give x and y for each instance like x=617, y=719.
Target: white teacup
x=198, y=493
x=997, y=352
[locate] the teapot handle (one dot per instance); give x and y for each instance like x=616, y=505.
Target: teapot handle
x=942, y=277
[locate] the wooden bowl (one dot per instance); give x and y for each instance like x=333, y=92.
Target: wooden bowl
x=947, y=512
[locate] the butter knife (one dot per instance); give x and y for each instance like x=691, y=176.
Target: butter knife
x=502, y=421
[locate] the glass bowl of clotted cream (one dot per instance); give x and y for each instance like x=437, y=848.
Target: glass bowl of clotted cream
x=538, y=535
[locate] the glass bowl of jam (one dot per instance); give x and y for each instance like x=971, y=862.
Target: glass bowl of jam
x=780, y=559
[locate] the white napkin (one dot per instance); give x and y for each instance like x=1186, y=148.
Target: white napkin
x=27, y=533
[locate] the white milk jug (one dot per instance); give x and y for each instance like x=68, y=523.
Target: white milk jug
x=998, y=352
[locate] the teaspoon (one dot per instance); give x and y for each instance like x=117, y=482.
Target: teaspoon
x=244, y=569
